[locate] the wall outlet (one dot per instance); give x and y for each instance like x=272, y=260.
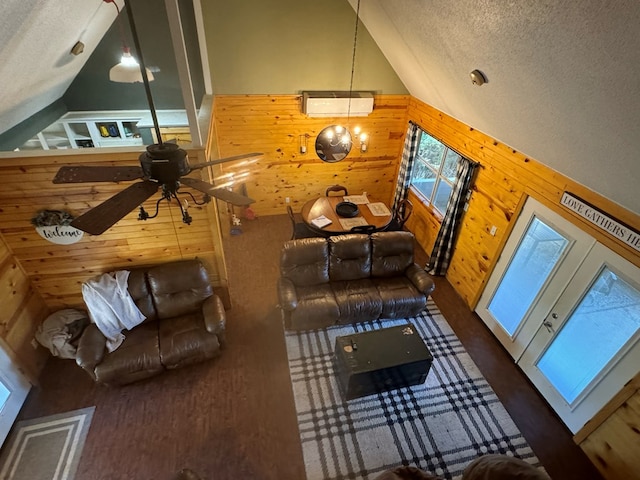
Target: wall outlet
x=493, y=231
x=287, y=200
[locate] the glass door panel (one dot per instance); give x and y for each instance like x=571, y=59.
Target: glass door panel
x=607, y=317
x=4, y=395
x=588, y=346
x=535, y=258
x=540, y=256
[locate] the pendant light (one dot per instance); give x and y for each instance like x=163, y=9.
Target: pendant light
x=334, y=142
x=128, y=70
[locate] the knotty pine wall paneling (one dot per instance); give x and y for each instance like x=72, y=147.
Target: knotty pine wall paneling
x=611, y=438
x=273, y=124
x=23, y=310
x=56, y=272
x=503, y=182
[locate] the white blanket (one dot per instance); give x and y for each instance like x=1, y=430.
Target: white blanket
x=111, y=307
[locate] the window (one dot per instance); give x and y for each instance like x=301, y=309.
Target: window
x=434, y=171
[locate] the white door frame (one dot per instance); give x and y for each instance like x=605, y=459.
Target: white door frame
x=17, y=384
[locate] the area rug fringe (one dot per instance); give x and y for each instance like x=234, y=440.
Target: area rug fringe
x=440, y=426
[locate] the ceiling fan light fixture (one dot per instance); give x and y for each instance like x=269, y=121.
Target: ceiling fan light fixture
x=128, y=70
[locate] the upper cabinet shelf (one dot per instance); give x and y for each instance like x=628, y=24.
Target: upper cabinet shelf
x=102, y=129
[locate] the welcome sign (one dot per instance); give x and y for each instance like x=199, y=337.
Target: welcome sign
x=60, y=234
x=623, y=232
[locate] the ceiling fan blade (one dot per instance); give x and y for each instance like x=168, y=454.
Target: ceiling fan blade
x=199, y=185
x=97, y=174
x=99, y=219
x=225, y=160
x=217, y=192
x=231, y=197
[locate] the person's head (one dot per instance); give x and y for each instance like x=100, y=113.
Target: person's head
x=501, y=467
x=187, y=474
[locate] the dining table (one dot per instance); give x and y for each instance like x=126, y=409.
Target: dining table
x=321, y=210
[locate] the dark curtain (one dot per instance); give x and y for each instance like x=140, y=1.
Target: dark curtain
x=446, y=239
x=408, y=155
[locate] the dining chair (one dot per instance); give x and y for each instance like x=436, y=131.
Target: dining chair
x=400, y=215
x=299, y=229
x=363, y=229
x=336, y=188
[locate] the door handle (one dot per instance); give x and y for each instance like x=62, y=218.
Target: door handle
x=549, y=326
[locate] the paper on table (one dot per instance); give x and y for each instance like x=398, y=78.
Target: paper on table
x=379, y=209
x=349, y=223
x=321, y=221
x=357, y=199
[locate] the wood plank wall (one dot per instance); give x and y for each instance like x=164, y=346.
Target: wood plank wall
x=56, y=272
x=503, y=182
x=611, y=438
x=274, y=124
x=23, y=309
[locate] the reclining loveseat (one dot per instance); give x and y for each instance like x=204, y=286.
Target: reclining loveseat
x=184, y=324
x=350, y=278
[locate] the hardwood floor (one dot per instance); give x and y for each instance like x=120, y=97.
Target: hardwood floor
x=234, y=417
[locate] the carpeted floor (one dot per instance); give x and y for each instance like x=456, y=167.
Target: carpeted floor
x=46, y=448
x=439, y=426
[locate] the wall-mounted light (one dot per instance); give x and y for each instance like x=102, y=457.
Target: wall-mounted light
x=303, y=142
x=362, y=137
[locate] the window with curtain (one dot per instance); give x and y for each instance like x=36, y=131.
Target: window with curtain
x=434, y=171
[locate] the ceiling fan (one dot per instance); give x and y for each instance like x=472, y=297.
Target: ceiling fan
x=163, y=166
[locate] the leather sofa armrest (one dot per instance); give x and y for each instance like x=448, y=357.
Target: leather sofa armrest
x=215, y=316
x=287, y=294
x=421, y=279
x=91, y=349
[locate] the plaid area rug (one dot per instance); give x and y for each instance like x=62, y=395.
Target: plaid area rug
x=439, y=426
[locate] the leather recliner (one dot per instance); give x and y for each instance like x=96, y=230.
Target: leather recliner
x=184, y=324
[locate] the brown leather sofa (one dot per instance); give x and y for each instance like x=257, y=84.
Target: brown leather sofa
x=185, y=324
x=350, y=278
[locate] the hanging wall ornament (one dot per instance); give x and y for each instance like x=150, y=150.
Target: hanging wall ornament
x=54, y=226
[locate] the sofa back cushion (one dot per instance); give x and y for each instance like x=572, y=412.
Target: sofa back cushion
x=179, y=288
x=139, y=291
x=349, y=257
x=391, y=253
x=305, y=261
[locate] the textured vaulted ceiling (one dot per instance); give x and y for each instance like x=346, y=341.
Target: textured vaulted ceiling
x=36, y=37
x=564, y=77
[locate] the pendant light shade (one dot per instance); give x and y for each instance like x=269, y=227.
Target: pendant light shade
x=128, y=70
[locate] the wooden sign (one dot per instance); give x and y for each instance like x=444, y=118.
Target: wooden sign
x=621, y=231
x=60, y=234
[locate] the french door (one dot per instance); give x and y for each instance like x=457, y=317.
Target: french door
x=13, y=391
x=540, y=256
x=568, y=311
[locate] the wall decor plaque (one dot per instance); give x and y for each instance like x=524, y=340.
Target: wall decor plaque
x=54, y=226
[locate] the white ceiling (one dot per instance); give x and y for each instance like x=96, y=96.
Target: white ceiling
x=564, y=77
x=36, y=37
